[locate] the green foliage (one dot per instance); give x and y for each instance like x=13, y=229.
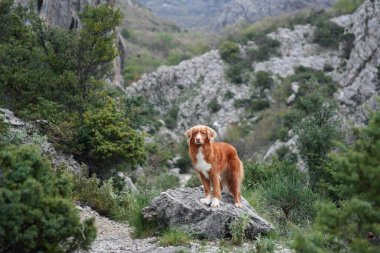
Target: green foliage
x=136, y=202
x=234, y=74
x=171, y=117
x=228, y=95
x=184, y=163
x=315, y=123
x=176, y=56
x=214, y=106
x=230, y=52
x=342, y=7
x=140, y=114
x=194, y=181
x=4, y=127
x=101, y=196
x=328, y=34
x=136, y=66
x=36, y=206
x=264, y=245
x=353, y=225
x=175, y=237
x=266, y=48
x=237, y=229
x=106, y=136
x=263, y=80
x=306, y=77
x=288, y=192
x=252, y=104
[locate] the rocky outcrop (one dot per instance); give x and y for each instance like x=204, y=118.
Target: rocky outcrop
x=26, y=133
x=190, y=87
x=358, y=77
x=214, y=15
x=181, y=208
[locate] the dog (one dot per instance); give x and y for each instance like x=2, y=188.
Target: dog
x=216, y=162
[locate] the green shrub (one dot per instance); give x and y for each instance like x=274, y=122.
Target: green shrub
x=306, y=77
x=214, y=106
x=351, y=225
x=171, y=117
x=237, y=229
x=267, y=47
x=175, y=237
x=37, y=212
x=263, y=80
x=228, y=95
x=287, y=191
x=136, y=202
x=136, y=66
x=342, y=7
x=234, y=74
x=127, y=33
x=264, y=244
x=106, y=136
x=230, y=52
x=176, y=56
x=252, y=104
x=315, y=124
x=194, y=181
x=98, y=195
x=328, y=34
x=166, y=181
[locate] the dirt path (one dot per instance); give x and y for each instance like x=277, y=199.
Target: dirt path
x=115, y=237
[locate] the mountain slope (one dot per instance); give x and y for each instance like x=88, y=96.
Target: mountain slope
x=215, y=15
x=193, y=84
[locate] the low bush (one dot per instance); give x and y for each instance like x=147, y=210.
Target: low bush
x=235, y=74
x=175, y=237
x=328, y=34
x=305, y=76
x=228, y=95
x=252, y=104
x=230, y=52
x=263, y=80
x=171, y=117
x=214, y=106
x=342, y=7
x=101, y=196
x=266, y=48
x=37, y=212
x=194, y=181
x=287, y=191
x=237, y=229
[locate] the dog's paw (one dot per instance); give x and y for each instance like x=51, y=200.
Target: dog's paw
x=215, y=202
x=238, y=205
x=206, y=201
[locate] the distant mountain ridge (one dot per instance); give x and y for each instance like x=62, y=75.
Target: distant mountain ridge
x=214, y=15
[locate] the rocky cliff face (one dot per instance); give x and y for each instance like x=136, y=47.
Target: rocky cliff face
x=191, y=85
x=214, y=15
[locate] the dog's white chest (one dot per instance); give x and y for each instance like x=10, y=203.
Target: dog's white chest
x=201, y=164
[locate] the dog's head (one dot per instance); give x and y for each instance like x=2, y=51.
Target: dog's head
x=200, y=135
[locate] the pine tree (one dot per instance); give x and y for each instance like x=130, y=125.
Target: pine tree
x=353, y=225
x=37, y=213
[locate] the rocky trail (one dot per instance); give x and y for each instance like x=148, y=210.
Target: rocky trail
x=115, y=237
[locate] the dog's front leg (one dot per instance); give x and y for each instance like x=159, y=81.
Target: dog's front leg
x=216, y=194
x=206, y=186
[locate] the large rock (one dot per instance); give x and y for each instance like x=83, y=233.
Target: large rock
x=181, y=208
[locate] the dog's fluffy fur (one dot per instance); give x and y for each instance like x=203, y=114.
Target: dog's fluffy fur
x=217, y=163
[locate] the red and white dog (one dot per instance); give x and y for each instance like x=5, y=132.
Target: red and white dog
x=216, y=162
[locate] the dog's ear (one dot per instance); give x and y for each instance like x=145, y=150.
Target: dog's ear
x=188, y=134
x=211, y=134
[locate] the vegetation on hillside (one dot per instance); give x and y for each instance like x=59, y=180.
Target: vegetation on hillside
x=59, y=75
